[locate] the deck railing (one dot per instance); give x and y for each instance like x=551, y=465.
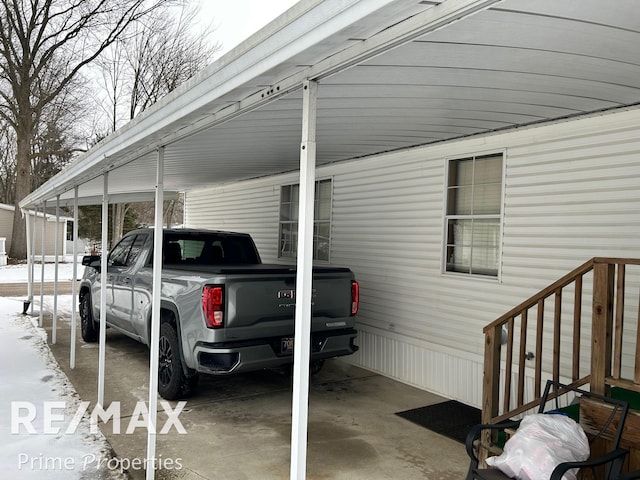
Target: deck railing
x=541, y=342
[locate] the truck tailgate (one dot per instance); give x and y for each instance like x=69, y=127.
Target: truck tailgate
x=262, y=304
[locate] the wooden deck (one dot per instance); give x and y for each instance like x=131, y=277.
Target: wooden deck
x=604, y=349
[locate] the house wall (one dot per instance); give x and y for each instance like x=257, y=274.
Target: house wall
x=571, y=193
x=6, y=230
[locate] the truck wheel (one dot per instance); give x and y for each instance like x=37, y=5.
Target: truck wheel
x=190, y=384
x=315, y=366
x=171, y=380
x=87, y=326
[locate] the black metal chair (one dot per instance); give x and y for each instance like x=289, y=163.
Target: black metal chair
x=612, y=426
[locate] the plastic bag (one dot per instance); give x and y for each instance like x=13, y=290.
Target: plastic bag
x=542, y=442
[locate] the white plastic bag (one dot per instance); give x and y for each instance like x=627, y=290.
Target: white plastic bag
x=542, y=442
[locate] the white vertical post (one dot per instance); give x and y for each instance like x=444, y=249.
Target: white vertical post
x=44, y=235
x=304, y=278
x=29, y=258
x=103, y=289
x=155, y=317
x=56, y=245
x=33, y=254
x=74, y=283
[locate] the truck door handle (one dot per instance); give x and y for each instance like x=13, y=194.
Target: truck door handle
x=126, y=280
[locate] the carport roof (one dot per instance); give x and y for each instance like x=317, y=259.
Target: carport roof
x=392, y=74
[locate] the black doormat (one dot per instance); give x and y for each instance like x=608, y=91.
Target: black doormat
x=451, y=418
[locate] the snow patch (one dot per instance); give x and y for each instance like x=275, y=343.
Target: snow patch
x=30, y=374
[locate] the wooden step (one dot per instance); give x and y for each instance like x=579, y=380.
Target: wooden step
x=622, y=383
x=626, y=384
x=594, y=414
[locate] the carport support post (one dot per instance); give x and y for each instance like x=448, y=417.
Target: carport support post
x=44, y=235
x=103, y=289
x=154, y=341
x=56, y=245
x=74, y=283
x=304, y=278
x=29, y=260
x=33, y=255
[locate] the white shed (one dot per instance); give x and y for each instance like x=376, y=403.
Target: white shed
x=6, y=230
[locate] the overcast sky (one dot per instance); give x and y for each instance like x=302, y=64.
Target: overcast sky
x=235, y=20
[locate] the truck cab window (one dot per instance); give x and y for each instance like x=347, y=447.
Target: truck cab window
x=119, y=253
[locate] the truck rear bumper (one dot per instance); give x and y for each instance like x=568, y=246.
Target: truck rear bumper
x=234, y=357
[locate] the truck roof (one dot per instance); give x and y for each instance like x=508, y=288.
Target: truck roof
x=188, y=230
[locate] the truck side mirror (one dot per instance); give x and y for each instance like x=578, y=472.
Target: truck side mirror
x=92, y=261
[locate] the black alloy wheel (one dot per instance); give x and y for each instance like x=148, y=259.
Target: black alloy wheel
x=88, y=328
x=171, y=379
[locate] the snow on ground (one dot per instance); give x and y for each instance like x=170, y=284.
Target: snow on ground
x=19, y=273
x=31, y=379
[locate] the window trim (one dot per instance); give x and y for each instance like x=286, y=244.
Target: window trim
x=445, y=216
x=280, y=257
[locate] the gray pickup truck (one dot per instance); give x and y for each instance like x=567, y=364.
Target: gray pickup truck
x=222, y=310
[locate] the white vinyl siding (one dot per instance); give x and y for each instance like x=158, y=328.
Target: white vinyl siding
x=570, y=193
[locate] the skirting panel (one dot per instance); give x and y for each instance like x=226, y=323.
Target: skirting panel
x=442, y=372
x=427, y=367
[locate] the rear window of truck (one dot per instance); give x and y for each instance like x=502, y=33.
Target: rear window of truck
x=209, y=249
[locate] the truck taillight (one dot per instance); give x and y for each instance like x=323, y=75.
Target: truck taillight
x=213, y=305
x=355, y=297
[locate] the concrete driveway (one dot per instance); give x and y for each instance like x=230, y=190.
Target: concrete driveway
x=238, y=427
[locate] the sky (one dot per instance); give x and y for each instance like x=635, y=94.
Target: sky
x=236, y=20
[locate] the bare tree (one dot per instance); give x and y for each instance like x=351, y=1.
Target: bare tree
x=43, y=46
x=7, y=163
x=55, y=136
x=167, y=51
x=173, y=212
x=54, y=140
x=112, y=66
x=161, y=52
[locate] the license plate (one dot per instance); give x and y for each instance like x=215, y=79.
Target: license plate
x=286, y=345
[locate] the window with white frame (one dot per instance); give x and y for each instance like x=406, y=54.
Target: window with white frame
x=289, y=203
x=474, y=215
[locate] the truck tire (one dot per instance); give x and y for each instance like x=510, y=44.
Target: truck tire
x=87, y=325
x=172, y=383
x=315, y=366
x=190, y=384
